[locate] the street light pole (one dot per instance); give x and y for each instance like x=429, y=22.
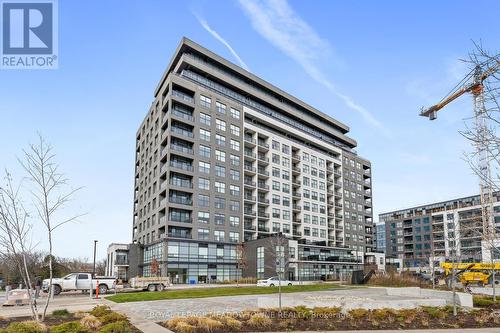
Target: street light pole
x=95, y=246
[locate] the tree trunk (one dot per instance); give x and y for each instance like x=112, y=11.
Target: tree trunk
x=50, y=291
x=33, y=305
x=454, y=292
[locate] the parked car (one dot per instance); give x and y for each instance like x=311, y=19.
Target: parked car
x=80, y=281
x=272, y=282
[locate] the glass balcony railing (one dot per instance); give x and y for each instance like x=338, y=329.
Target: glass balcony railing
x=182, y=114
x=183, y=132
x=181, y=201
x=182, y=149
x=181, y=165
x=182, y=96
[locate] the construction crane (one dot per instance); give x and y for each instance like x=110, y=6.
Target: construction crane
x=473, y=83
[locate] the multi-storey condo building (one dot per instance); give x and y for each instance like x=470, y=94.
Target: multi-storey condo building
x=224, y=157
x=441, y=231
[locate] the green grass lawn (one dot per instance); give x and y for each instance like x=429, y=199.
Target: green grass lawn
x=212, y=292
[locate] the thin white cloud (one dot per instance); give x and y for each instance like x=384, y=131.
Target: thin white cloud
x=214, y=33
x=276, y=21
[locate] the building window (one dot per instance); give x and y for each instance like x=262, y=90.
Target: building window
x=203, y=200
x=220, y=107
x=203, y=234
x=220, y=156
x=205, y=119
x=204, y=135
x=204, y=184
x=204, y=151
x=220, y=139
x=276, y=145
x=235, y=145
x=276, y=172
x=235, y=160
x=219, y=219
x=276, y=213
x=260, y=262
x=205, y=101
x=234, y=237
x=203, y=167
x=203, y=217
x=220, y=171
x=234, y=221
x=234, y=206
x=220, y=125
x=276, y=199
x=220, y=187
x=235, y=130
x=220, y=203
x=235, y=174
x=235, y=113
x=219, y=235
x=234, y=190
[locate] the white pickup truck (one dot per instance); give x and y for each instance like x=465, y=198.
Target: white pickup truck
x=80, y=281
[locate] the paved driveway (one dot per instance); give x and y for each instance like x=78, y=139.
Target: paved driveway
x=347, y=298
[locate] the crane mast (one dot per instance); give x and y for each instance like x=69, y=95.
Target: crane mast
x=473, y=83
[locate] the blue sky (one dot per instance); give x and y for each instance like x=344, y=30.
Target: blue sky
x=369, y=64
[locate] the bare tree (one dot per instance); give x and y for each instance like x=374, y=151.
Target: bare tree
x=15, y=235
x=453, y=240
x=484, y=161
x=242, y=260
x=50, y=195
x=277, y=248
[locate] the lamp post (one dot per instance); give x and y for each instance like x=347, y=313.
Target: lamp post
x=95, y=246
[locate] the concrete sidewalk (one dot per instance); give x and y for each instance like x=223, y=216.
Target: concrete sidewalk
x=72, y=304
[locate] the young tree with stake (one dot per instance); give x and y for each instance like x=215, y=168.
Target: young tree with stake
x=49, y=195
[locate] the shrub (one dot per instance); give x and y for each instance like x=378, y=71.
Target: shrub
x=259, y=320
x=326, y=312
x=90, y=322
x=172, y=323
x=116, y=327
x=303, y=312
x=209, y=324
x=80, y=314
x=100, y=310
x=69, y=327
x=485, y=302
x=183, y=327
x=394, y=279
x=435, y=312
x=112, y=317
x=60, y=313
x=358, y=313
x=384, y=314
x=230, y=323
x=26, y=327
